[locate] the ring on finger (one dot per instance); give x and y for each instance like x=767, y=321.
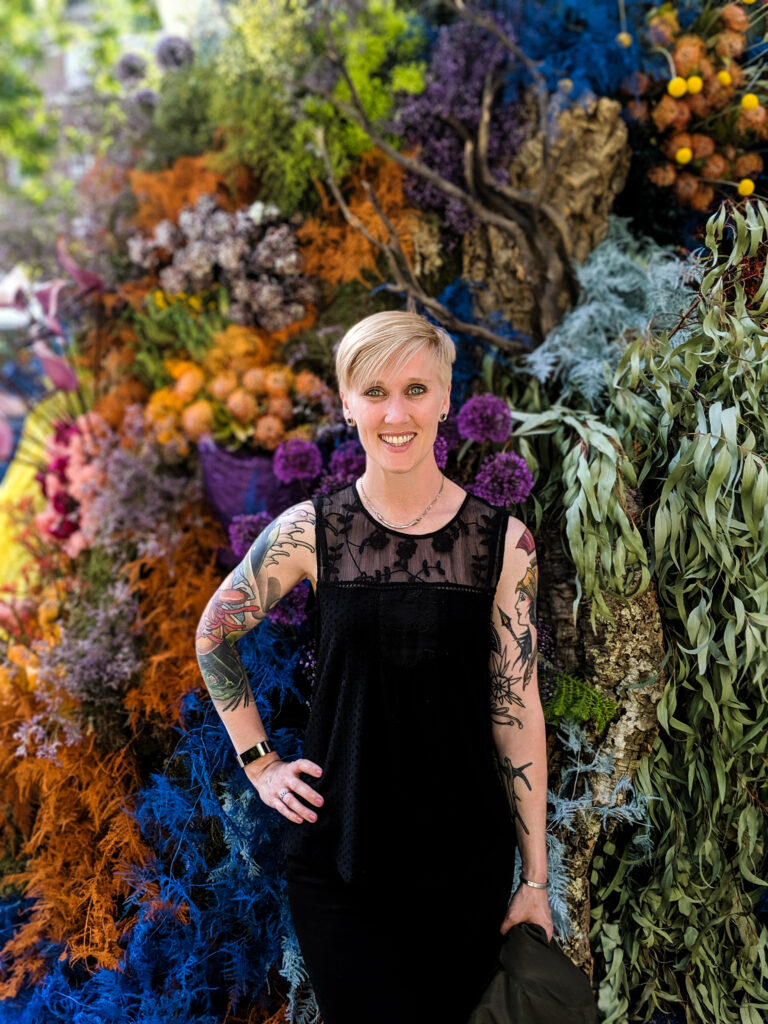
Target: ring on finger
x=283, y=793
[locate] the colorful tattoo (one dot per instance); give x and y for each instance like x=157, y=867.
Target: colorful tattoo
x=241, y=602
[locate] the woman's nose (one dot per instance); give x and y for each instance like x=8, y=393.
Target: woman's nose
x=396, y=411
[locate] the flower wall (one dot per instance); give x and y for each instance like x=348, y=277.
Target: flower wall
x=250, y=196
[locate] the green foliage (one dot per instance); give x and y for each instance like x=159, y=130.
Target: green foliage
x=581, y=471
x=267, y=112
x=683, y=930
x=175, y=329
x=576, y=700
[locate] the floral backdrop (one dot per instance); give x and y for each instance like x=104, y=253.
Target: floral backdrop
x=576, y=192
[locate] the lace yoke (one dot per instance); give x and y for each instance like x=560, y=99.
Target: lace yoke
x=400, y=708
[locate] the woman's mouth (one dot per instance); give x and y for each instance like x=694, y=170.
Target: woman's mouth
x=397, y=442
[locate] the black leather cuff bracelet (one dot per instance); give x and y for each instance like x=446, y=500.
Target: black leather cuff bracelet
x=254, y=753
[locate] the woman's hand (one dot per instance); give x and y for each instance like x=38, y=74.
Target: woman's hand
x=282, y=777
x=529, y=904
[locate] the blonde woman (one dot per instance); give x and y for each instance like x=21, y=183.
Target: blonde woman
x=424, y=756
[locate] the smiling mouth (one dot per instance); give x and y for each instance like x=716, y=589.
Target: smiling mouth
x=397, y=439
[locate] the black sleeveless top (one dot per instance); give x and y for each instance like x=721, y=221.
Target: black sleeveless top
x=400, y=716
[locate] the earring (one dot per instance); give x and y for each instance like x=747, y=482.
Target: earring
x=443, y=417
x=350, y=421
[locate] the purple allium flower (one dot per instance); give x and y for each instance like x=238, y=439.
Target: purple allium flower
x=348, y=460
x=144, y=101
x=485, y=418
x=297, y=459
x=441, y=451
x=289, y=611
x=503, y=479
x=449, y=431
x=244, y=529
x=173, y=52
x=130, y=69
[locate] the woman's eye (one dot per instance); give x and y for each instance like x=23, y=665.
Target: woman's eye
x=418, y=389
x=374, y=392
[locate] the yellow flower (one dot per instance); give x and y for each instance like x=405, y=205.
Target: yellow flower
x=624, y=39
x=746, y=187
x=195, y=302
x=684, y=155
x=677, y=86
x=695, y=84
x=724, y=77
x=160, y=300
x=750, y=101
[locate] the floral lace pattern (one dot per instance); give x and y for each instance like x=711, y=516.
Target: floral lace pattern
x=353, y=548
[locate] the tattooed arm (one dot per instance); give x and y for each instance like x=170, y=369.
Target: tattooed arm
x=518, y=720
x=281, y=556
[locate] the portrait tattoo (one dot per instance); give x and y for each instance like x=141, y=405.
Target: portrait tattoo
x=511, y=773
x=235, y=609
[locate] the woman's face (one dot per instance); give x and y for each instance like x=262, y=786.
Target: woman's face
x=397, y=414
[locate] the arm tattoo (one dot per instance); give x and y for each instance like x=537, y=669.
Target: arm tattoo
x=235, y=609
x=510, y=774
x=511, y=666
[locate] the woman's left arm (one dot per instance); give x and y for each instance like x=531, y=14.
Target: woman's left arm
x=518, y=720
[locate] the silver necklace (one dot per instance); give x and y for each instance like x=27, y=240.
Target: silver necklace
x=405, y=526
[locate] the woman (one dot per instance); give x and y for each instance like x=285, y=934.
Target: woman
x=424, y=755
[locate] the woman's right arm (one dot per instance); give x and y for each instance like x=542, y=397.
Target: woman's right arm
x=281, y=556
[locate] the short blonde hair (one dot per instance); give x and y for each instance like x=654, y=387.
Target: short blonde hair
x=390, y=339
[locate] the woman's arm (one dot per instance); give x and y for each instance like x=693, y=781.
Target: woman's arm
x=518, y=720
x=281, y=556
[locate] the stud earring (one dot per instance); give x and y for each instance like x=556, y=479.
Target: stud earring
x=443, y=417
x=350, y=421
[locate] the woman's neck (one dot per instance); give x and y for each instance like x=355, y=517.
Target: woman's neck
x=400, y=495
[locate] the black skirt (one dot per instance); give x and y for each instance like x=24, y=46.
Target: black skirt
x=399, y=951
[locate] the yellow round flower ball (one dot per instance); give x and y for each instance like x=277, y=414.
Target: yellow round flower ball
x=746, y=187
x=750, y=101
x=724, y=77
x=684, y=155
x=695, y=84
x=624, y=39
x=677, y=86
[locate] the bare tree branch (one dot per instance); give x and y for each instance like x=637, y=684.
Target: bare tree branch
x=401, y=270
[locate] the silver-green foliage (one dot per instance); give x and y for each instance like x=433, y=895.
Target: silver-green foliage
x=626, y=283
x=683, y=930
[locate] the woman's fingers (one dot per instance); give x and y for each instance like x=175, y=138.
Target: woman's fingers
x=300, y=812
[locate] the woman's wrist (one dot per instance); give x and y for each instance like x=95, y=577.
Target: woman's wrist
x=255, y=768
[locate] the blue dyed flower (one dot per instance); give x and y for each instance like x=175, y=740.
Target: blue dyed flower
x=297, y=459
x=503, y=479
x=485, y=418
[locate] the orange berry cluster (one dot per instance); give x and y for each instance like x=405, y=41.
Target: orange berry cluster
x=707, y=85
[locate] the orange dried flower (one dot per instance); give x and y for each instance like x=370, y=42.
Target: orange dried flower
x=702, y=145
x=282, y=406
x=189, y=383
x=703, y=197
x=278, y=380
x=698, y=104
x=197, y=419
x=254, y=380
x=307, y=383
x=735, y=18
x=749, y=165
x=685, y=187
x=637, y=110
x=221, y=387
x=668, y=112
x=680, y=140
x=753, y=121
x=663, y=175
x=242, y=405
x=269, y=431
x=715, y=167
x=730, y=44
x=663, y=28
x=688, y=52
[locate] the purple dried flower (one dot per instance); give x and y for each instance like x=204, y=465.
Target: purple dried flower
x=244, y=529
x=297, y=459
x=441, y=451
x=173, y=52
x=130, y=69
x=503, y=479
x=290, y=611
x=448, y=430
x=485, y=418
x=144, y=101
x=348, y=460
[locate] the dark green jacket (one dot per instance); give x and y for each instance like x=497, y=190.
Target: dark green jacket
x=536, y=984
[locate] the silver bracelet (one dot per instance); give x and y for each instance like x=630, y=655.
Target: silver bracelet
x=535, y=885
